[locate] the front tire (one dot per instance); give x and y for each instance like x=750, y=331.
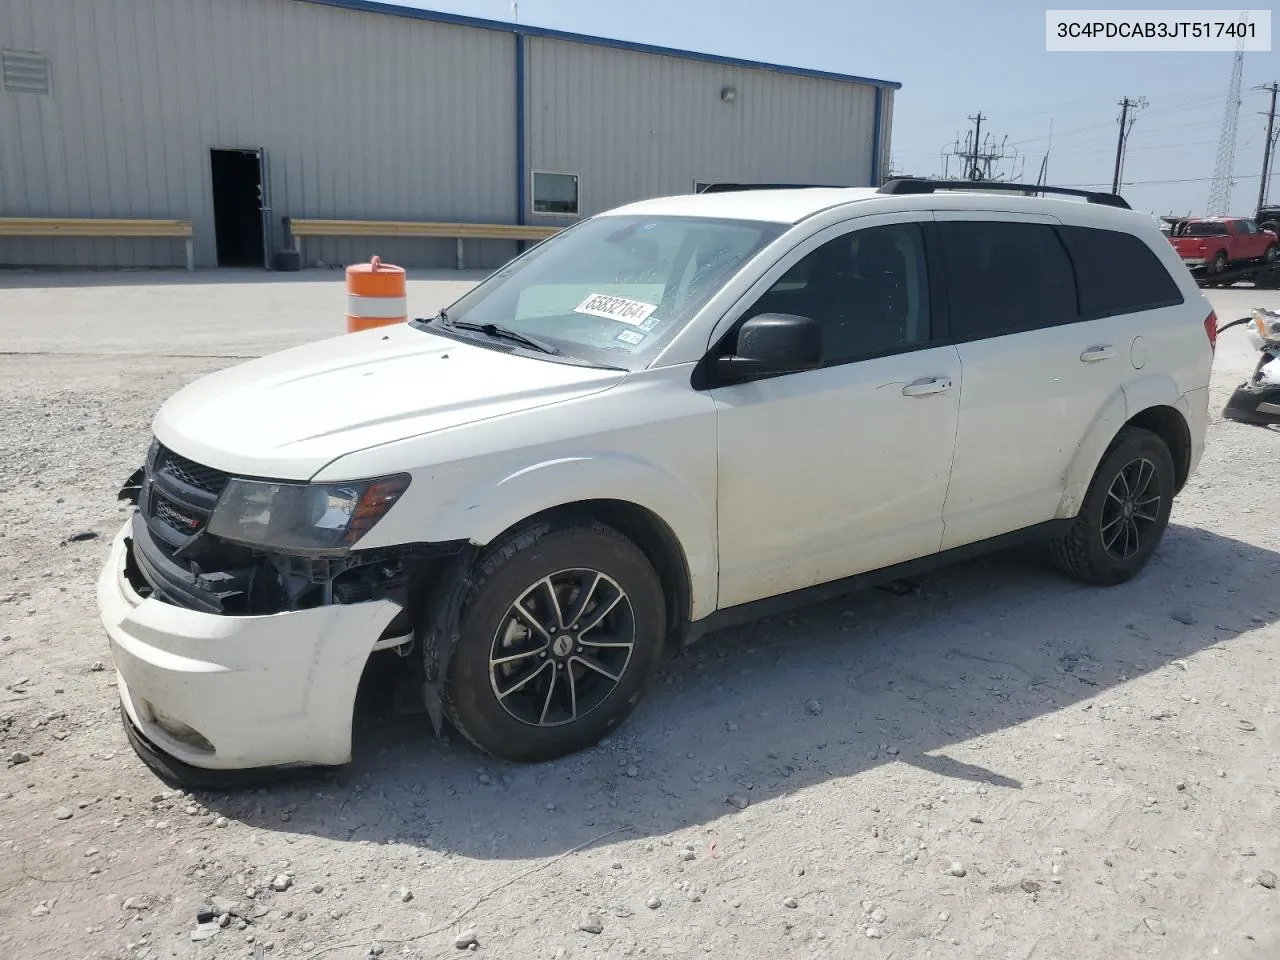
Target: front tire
x=1125, y=512
x=561, y=633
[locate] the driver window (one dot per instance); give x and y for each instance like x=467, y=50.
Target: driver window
x=868, y=291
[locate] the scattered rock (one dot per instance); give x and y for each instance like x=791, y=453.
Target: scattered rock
x=790, y=903
x=955, y=869
x=18, y=757
x=813, y=708
x=40, y=910
x=1029, y=886
x=944, y=916
x=975, y=819
x=731, y=727
x=738, y=801
x=485, y=779
x=405, y=894
x=873, y=933
x=591, y=924
x=221, y=822
x=878, y=915
x=375, y=949
x=96, y=667
x=686, y=853
x=1180, y=785
x=281, y=882
x=633, y=771
x=1155, y=925
x=466, y=940
x=62, y=813
x=654, y=902
x=317, y=888
x=1183, y=616
x=1267, y=878
x=205, y=914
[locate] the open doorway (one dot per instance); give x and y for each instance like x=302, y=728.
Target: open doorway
x=238, y=202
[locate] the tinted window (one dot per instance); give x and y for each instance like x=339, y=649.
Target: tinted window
x=1117, y=273
x=868, y=289
x=1004, y=277
x=1204, y=228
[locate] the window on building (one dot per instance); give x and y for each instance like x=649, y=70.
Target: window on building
x=868, y=290
x=555, y=193
x=25, y=71
x=1117, y=273
x=1006, y=277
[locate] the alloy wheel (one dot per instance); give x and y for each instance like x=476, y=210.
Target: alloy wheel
x=562, y=647
x=1131, y=509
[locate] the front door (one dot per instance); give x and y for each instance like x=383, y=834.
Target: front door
x=831, y=472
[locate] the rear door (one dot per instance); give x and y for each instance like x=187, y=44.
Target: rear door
x=1036, y=372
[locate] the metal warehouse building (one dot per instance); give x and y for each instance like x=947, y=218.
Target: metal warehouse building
x=345, y=109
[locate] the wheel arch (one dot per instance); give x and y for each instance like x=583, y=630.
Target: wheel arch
x=1152, y=403
x=649, y=532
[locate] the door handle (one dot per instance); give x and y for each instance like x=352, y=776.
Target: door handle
x=927, y=387
x=1095, y=354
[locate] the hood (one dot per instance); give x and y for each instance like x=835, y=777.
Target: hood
x=287, y=415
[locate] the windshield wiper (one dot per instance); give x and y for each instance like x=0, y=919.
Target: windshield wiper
x=501, y=333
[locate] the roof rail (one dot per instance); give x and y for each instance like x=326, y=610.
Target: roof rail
x=913, y=185
x=735, y=187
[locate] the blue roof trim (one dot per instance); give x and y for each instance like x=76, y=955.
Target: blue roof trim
x=460, y=20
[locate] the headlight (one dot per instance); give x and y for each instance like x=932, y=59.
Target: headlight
x=1267, y=323
x=326, y=518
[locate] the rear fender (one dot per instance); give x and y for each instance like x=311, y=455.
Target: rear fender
x=1109, y=421
x=1140, y=394
x=487, y=510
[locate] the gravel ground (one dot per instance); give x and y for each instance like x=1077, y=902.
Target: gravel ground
x=1000, y=763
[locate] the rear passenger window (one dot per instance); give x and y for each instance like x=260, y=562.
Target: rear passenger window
x=1117, y=273
x=1005, y=277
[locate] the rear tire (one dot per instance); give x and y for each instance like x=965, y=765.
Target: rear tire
x=1272, y=253
x=1218, y=264
x=561, y=634
x=1125, y=512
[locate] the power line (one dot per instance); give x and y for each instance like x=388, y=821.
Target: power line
x=1149, y=183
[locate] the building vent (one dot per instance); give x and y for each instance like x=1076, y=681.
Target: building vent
x=25, y=71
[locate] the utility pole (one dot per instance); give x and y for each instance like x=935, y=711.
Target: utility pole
x=1122, y=138
x=972, y=172
x=1269, y=144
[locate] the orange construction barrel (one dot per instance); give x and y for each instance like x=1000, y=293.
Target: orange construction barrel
x=375, y=295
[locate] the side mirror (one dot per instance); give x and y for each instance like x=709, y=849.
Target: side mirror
x=774, y=343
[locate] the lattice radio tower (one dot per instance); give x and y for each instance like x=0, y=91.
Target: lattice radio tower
x=1224, y=166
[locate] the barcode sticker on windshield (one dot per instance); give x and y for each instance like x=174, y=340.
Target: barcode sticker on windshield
x=631, y=337
x=621, y=309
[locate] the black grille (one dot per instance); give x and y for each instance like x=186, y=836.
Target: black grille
x=181, y=521
x=189, y=472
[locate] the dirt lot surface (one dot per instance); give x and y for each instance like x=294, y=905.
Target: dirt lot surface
x=1001, y=764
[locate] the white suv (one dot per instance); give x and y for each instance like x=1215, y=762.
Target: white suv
x=674, y=414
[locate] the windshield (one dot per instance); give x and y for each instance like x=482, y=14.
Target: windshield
x=1204, y=228
x=614, y=289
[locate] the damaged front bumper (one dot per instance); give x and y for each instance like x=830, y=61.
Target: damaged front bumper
x=220, y=692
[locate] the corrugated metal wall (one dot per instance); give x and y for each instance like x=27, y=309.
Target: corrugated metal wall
x=361, y=115
x=370, y=116
x=635, y=125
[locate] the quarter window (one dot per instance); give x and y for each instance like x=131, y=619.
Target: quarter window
x=1117, y=273
x=1005, y=277
x=555, y=193
x=867, y=289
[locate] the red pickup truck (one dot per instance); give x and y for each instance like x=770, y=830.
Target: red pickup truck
x=1215, y=243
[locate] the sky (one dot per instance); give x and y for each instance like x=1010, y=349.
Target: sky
x=956, y=59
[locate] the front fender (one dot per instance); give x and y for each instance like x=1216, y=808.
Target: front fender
x=486, y=510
